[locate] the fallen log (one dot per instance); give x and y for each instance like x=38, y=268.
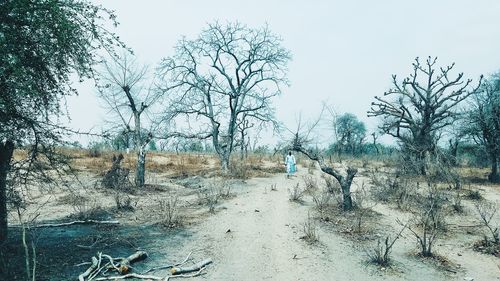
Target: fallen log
x=124, y=265
x=131, y=275
x=168, y=266
x=196, y=267
x=91, y=269
x=67, y=223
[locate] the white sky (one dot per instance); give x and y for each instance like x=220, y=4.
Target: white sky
x=344, y=52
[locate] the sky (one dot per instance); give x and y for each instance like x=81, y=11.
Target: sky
x=344, y=52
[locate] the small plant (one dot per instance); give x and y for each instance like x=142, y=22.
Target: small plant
x=487, y=211
x=310, y=183
x=321, y=199
x=239, y=171
x=473, y=195
x=84, y=207
x=381, y=254
x=123, y=201
x=362, y=208
x=309, y=227
x=273, y=187
x=223, y=189
x=296, y=193
x=169, y=212
x=457, y=202
x=210, y=197
x=425, y=228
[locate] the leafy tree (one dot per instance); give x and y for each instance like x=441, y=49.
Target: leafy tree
x=417, y=109
x=484, y=122
x=228, y=75
x=42, y=44
x=351, y=133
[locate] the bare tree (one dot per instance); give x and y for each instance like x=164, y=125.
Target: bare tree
x=484, y=122
x=416, y=109
x=128, y=98
x=228, y=71
x=300, y=143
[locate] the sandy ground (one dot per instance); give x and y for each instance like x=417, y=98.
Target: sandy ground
x=256, y=236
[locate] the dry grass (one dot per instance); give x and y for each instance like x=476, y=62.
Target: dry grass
x=174, y=165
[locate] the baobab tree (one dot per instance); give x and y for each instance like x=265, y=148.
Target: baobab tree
x=42, y=44
x=123, y=87
x=416, y=109
x=483, y=122
x=226, y=72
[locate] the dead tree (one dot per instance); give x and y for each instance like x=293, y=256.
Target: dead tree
x=124, y=92
x=228, y=71
x=416, y=109
x=344, y=181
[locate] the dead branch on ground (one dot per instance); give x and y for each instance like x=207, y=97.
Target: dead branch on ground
x=99, y=266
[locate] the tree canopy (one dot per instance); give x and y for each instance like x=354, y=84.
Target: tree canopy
x=44, y=43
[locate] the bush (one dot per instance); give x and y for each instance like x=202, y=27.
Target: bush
x=169, y=212
x=309, y=227
x=296, y=193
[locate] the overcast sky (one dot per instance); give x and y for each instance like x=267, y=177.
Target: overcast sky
x=344, y=52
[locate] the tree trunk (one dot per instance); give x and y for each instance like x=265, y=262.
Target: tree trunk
x=141, y=167
x=346, y=197
x=224, y=159
x=494, y=176
x=6, y=151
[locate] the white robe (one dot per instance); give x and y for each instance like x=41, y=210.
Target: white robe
x=290, y=164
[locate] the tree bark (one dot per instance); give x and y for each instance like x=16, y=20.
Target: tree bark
x=140, y=170
x=345, y=182
x=6, y=151
x=224, y=159
x=494, y=176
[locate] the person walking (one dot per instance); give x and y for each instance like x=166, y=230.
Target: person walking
x=290, y=164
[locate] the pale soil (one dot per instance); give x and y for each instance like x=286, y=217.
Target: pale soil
x=264, y=244
x=256, y=235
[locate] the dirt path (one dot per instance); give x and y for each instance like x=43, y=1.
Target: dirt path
x=256, y=236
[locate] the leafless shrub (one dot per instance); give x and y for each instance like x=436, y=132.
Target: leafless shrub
x=309, y=227
x=473, y=194
x=310, y=183
x=169, y=212
x=321, y=199
x=380, y=255
x=457, y=202
x=84, y=207
x=209, y=197
x=392, y=188
x=427, y=222
x=123, y=201
x=296, y=193
x=239, y=170
x=487, y=211
x=213, y=193
x=362, y=207
x=223, y=188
